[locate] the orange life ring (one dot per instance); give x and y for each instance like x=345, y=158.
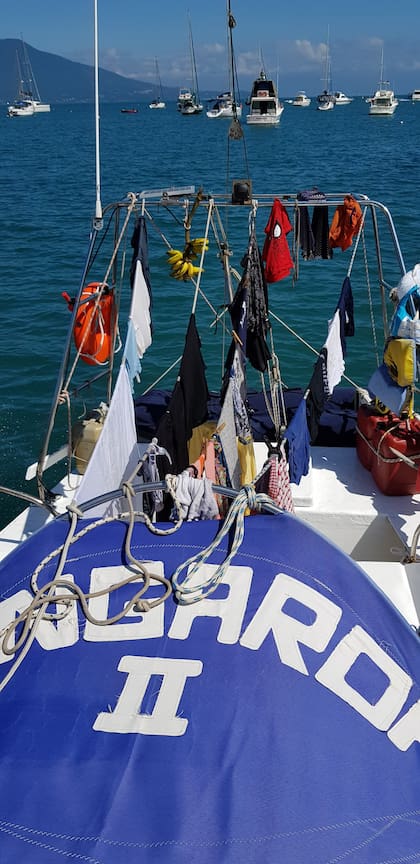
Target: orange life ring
x=94, y=324
x=262, y=93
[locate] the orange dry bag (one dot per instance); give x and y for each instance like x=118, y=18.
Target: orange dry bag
x=93, y=326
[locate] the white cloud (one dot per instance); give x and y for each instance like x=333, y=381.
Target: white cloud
x=214, y=49
x=308, y=51
x=375, y=42
x=248, y=63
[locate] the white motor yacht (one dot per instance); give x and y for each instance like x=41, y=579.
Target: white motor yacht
x=301, y=100
x=383, y=100
x=341, y=98
x=265, y=108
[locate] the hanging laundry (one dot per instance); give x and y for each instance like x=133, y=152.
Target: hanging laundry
x=318, y=394
x=227, y=425
x=233, y=423
x=252, y=290
x=139, y=244
x=345, y=307
x=275, y=482
x=150, y=472
x=320, y=231
x=381, y=386
x=201, y=435
x=247, y=462
x=131, y=355
x=187, y=406
x=297, y=437
x=140, y=311
x=221, y=475
x=345, y=223
x=195, y=497
x=334, y=353
x=234, y=378
x=312, y=236
x=276, y=253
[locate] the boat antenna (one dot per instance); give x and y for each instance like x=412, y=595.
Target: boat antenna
x=98, y=221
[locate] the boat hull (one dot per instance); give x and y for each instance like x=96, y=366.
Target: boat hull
x=224, y=113
x=263, y=120
x=13, y=111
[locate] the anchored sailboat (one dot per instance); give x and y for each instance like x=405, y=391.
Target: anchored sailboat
x=228, y=103
x=326, y=100
x=28, y=100
x=189, y=97
x=159, y=101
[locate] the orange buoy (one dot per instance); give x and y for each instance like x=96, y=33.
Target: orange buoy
x=94, y=324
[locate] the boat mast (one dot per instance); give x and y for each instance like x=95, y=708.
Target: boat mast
x=381, y=73
x=327, y=69
x=44, y=493
x=21, y=91
x=193, y=65
x=159, y=81
x=32, y=87
x=98, y=205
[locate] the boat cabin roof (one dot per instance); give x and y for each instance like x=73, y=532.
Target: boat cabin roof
x=262, y=88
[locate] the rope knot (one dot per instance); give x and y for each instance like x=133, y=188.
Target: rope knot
x=142, y=606
x=251, y=496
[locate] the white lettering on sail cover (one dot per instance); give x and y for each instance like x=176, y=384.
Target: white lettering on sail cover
x=274, y=615
x=50, y=634
x=136, y=625
x=332, y=674
x=287, y=631
x=230, y=610
x=407, y=730
x=163, y=719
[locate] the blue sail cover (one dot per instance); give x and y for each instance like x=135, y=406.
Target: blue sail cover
x=275, y=721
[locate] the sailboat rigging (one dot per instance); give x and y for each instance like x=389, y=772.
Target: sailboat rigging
x=189, y=97
x=28, y=100
x=158, y=102
x=326, y=99
x=228, y=104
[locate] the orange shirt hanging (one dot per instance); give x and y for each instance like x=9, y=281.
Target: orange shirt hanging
x=345, y=223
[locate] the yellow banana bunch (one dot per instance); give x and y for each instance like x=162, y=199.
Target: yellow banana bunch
x=181, y=262
x=198, y=244
x=174, y=255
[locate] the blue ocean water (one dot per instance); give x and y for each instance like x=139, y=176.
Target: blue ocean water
x=47, y=182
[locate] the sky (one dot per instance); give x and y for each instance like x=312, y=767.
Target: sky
x=289, y=37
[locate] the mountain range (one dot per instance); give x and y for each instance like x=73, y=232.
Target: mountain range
x=60, y=80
